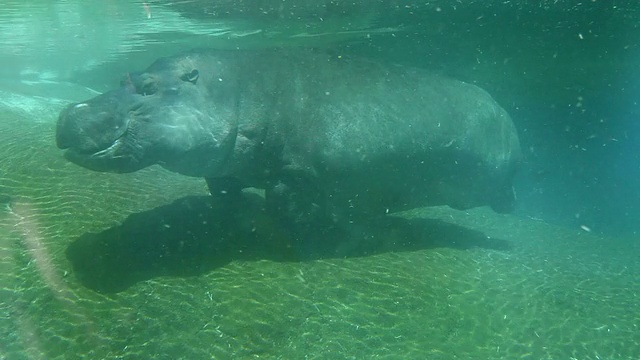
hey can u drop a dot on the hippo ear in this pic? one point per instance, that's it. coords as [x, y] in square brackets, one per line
[191, 77]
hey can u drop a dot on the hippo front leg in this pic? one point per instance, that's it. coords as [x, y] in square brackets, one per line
[300, 207]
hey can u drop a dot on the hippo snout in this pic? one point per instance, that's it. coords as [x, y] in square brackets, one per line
[88, 128]
[68, 127]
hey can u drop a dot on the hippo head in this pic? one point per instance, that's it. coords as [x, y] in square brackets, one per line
[179, 113]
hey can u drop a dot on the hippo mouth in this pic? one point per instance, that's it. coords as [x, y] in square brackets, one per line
[100, 155]
[95, 154]
[108, 159]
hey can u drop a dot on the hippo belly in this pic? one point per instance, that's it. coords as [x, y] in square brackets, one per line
[328, 138]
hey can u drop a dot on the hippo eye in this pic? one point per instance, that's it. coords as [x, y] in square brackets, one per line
[191, 77]
[148, 89]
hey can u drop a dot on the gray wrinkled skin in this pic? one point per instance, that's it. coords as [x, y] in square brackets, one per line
[325, 136]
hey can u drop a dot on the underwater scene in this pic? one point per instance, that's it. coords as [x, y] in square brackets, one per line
[320, 179]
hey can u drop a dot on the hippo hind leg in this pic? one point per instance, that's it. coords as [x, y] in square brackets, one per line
[224, 188]
[504, 200]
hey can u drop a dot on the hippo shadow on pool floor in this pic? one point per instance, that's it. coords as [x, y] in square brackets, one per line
[196, 234]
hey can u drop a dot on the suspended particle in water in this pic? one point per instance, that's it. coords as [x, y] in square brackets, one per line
[147, 10]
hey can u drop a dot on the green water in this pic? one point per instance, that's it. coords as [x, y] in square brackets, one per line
[448, 285]
[147, 266]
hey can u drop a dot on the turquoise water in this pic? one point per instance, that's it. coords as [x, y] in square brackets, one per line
[147, 266]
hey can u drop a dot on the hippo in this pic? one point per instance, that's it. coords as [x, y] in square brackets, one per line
[329, 138]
